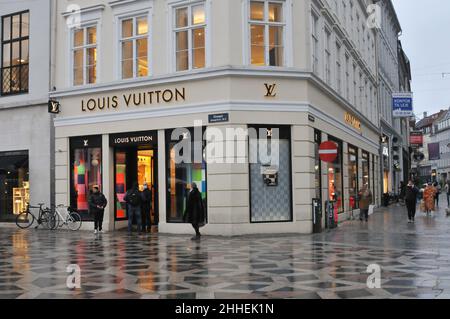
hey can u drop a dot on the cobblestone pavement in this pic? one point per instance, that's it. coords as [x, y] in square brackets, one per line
[414, 260]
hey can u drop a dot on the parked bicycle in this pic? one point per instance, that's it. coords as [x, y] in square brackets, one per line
[27, 218]
[66, 216]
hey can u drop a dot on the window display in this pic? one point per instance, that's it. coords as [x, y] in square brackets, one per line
[14, 184]
[353, 174]
[365, 169]
[270, 185]
[335, 185]
[86, 162]
[181, 174]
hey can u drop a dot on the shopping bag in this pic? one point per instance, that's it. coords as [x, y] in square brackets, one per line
[422, 206]
[371, 209]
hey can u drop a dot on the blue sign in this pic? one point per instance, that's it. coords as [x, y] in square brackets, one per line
[402, 104]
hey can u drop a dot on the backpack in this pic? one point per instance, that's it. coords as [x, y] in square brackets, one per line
[134, 198]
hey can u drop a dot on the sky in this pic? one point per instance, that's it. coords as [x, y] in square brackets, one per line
[426, 41]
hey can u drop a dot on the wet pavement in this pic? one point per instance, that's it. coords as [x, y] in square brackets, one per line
[414, 261]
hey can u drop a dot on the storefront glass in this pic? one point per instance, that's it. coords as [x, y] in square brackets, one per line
[86, 167]
[353, 175]
[335, 185]
[14, 184]
[317, 165]
[365, 169]
[270, 184]
[182, 171]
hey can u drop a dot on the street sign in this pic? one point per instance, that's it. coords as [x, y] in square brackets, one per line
[328, 151]
[416, 139]
[402, 104]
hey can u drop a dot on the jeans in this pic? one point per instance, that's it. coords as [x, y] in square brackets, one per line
[136, 213]
[98, 220]
[364, 214]
[411, 210]
[448, 199]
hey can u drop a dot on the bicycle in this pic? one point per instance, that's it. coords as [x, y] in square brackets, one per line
[26, 219]
[69, 218]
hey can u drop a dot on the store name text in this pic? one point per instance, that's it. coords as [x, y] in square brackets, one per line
[352, 121]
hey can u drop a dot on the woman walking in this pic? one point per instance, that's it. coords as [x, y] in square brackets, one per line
[195, 211]
[411, 194]
[365, 199]
[428, 196]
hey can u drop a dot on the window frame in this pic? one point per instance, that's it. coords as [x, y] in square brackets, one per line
[84, 47]
[315, 43]
[189, 28]
[149, 36]
[267, 24]
[12, 40]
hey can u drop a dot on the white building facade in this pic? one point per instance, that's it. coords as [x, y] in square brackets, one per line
[136, 78]
[25, 130]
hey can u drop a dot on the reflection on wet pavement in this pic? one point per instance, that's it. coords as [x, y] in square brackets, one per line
[414, 260]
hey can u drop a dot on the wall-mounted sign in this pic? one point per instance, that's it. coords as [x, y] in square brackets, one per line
[133, 139]
[311, 118]
[416, 139]
[353, 121]
[385, 151]
[86, 141]
[328, 151]
[270, 90]
[402, 104]
[218, 118]
[133, 100]
[54, 107]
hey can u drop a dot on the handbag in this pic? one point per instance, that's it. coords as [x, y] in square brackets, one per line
[371, 209]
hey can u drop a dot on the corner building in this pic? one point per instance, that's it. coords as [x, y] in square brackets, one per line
[129, 73]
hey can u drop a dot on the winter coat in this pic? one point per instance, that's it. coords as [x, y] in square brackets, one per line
[97, 199]
[365, 199]
[195, 210]
[428, 195]
[411, 194]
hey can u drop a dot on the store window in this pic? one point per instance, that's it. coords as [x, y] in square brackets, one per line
[190, 37]
[134, 44]
[84, 55]
[14, 184]
[353, 174]
[86, 171]
[267, 27]
[185, 165]
[270, 183]
[15, 53]
[365, 162]
[335, 177]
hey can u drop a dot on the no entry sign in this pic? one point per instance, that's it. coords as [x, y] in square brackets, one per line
[328, 151]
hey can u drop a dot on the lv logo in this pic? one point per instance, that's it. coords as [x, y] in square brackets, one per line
[53, 107]
[270, 89]
[86, 143]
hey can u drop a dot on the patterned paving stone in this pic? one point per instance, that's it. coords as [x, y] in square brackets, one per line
[414, 261]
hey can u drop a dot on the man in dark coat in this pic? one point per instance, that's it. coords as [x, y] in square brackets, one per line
[146, 209]
[411, 194]
[195, 211]
[133, 198]
[97, 203]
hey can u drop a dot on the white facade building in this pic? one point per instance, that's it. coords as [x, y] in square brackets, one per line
[25, 130]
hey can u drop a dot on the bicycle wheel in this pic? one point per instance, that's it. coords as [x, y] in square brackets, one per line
[74, 221]
[25, 220]
[50, 219]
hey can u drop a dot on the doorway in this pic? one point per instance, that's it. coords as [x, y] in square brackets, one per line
[137, 164]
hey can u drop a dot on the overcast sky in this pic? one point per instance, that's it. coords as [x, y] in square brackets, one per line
[426, 41]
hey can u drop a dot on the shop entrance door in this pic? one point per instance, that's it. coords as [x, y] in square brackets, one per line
[135, 165]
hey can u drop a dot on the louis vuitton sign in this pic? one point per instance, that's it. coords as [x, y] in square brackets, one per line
[130, 100]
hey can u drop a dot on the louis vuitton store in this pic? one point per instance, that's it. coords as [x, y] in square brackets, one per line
[172, 135]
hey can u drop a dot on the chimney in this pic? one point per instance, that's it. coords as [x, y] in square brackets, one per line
[425, 114]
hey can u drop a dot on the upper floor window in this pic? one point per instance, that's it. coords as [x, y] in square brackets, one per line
[134, 47]
[267, 28]
[15, 53]
[190, 43]
[84, 55]
[315, 42]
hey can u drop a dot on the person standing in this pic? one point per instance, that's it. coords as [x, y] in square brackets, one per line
[365, 199]
[133, 198]
[411, 194]
[437, 187]
[447, 191]
[146, 209]
[195, 210]
[97, 203]
[429, 197]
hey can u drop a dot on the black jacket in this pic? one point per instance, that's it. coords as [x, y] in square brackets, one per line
[195, 210]
[411, 194]
[97, 199]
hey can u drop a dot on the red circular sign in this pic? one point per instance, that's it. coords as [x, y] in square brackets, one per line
[328, 151]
